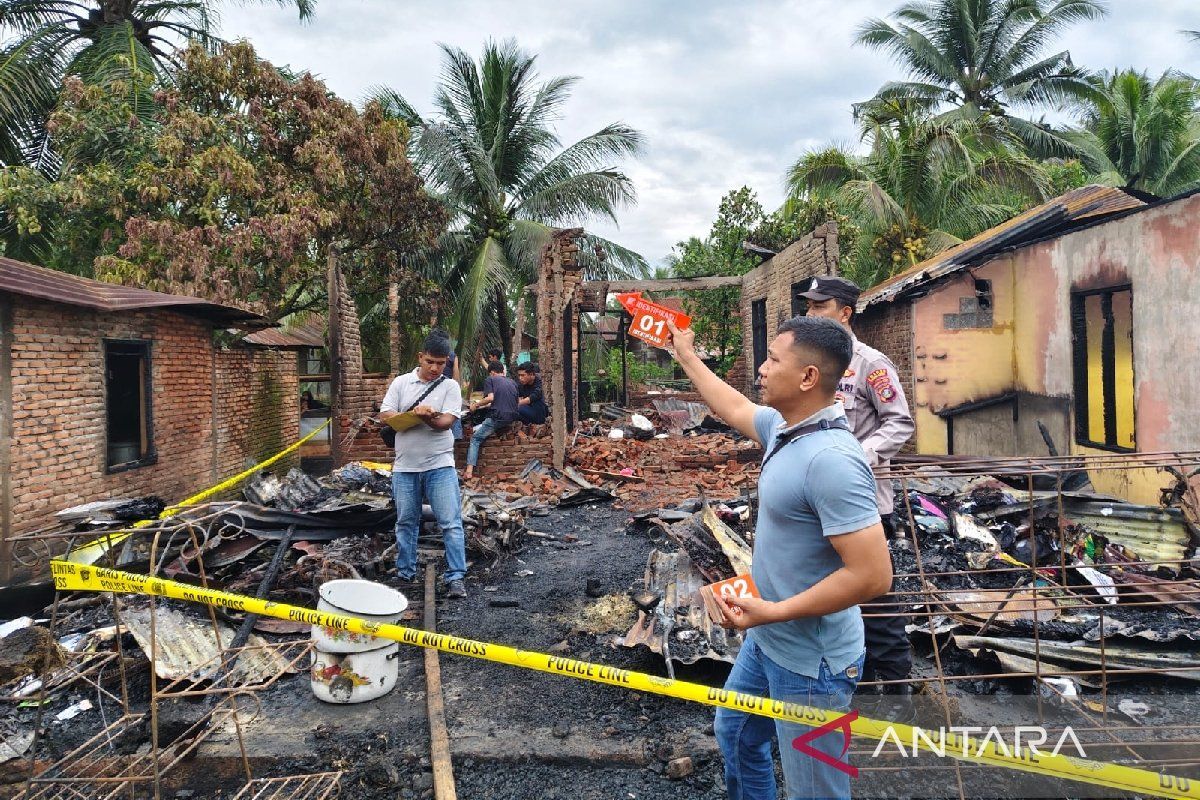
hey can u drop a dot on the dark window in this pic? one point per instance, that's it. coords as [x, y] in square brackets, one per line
[314, 361]
[758, 329]
[799, 304]
[1102, 343]
[127, 391]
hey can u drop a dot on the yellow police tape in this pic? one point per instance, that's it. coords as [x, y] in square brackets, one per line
[90, 552]
[75, 577]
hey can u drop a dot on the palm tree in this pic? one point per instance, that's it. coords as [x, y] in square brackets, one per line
[985, 56]
[1143, 134]
[491, 156]
[925, 183]
[46, 40]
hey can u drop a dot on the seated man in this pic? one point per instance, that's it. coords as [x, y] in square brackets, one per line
[500, 395]
[531, 402]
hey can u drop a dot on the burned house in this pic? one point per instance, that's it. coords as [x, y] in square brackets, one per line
[109, 391]
[1072, 323]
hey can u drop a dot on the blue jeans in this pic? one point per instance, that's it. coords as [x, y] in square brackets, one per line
[745, 739]
[487, 428]
[440, 487]
[456, 429]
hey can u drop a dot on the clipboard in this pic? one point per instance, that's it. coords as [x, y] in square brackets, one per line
[403, 421]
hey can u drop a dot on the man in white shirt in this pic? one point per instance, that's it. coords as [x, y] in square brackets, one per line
[424, 465]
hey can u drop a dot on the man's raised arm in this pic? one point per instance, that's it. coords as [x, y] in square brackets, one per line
[725, 401]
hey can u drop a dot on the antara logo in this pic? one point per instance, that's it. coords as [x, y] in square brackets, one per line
[842, 724]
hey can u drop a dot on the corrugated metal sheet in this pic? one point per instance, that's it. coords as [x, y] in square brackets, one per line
[303, 336]
[20, 278]
[187, 648]
[1059, 214]
[679, 628]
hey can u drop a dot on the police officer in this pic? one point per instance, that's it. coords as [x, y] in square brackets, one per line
[879, 418]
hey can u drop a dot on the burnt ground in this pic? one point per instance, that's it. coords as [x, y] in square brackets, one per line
[517, 733]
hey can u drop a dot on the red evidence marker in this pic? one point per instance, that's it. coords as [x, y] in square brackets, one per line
[650, 319]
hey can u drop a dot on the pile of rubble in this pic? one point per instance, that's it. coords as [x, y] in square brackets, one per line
[1046, 582]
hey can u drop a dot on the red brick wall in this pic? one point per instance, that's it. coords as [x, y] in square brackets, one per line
[364, 443]
[58, 408]
[888, 327]
[257, 408]
[508, 454]
[814, 254]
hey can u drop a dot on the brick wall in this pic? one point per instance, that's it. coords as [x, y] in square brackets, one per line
[813, 254]
[888, 328]
[58, 409]
[508, 453]
[257, 408]
[59, 416]
[366, 444]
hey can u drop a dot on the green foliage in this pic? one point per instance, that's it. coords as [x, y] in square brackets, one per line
[984, 56]
[715, 312]
[492, 157]
[103, 42]
[799, 216]
[639, 371]
[1141, 133]
[235, 190]
[925, 184]
[1064, 175]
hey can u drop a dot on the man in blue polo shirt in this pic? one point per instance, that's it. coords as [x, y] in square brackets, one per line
[819, 550]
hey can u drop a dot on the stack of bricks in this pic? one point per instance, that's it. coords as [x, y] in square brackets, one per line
[739, 374]
[774, 281]
[54, 398]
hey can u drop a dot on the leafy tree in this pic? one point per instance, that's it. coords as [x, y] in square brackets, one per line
[491, 156]
[985, 56]
[236, 189]
[1143, 134]
[715, 312]
[44, 41]
[924, 185]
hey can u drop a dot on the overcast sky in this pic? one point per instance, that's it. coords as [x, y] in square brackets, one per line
[727, 94]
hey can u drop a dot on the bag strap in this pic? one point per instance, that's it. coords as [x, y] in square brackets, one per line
[803, 430]
[425, 393]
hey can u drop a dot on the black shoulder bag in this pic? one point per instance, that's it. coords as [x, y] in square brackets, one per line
[387, 433]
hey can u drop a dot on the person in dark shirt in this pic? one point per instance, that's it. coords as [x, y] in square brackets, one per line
[531, 403]
[500, 395]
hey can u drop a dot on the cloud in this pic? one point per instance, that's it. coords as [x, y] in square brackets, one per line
[726, 94]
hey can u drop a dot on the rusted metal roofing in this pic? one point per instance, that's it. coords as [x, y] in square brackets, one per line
[307, 335]
[1059, 215]
[17, 277]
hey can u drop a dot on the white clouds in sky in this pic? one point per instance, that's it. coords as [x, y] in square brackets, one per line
[727, 94]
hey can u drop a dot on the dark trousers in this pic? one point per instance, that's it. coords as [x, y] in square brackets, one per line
[529, 416]
[889, 655]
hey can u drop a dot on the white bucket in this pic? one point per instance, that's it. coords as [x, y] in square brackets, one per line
[354, 677]
[369, 601]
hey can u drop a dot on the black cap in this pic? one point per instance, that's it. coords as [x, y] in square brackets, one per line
[825, 287]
